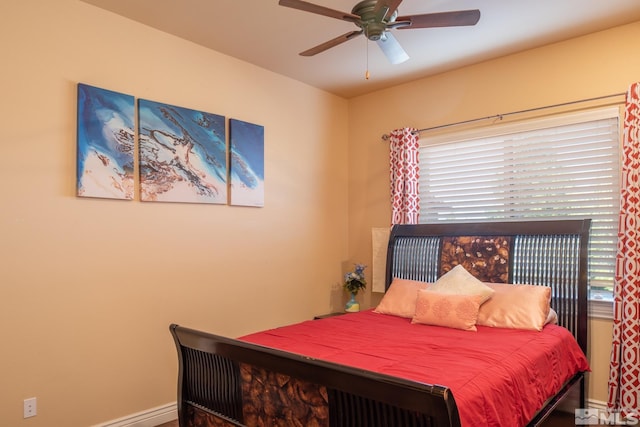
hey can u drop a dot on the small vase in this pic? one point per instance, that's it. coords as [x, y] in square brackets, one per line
[352, 305]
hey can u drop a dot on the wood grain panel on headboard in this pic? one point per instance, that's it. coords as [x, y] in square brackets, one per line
[486, 257]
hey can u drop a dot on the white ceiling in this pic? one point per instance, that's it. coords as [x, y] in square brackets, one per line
[270, 36]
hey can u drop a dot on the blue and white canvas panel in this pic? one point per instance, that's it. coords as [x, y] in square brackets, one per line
[183, 154]
[106, 141]
[247, 163]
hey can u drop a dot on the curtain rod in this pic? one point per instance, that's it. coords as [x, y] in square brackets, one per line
[501, 116]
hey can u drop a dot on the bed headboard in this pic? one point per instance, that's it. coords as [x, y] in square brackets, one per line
[551, 253]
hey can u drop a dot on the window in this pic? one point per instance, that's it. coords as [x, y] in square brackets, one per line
[565, 167]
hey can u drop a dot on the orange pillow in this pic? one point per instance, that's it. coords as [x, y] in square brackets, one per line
[449, 310]
[400, 298]
[516, 307]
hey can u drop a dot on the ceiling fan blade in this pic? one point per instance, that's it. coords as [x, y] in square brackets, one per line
[385, 8]
[320, 10]
[392, 49]
[331, 43]
[443, 19]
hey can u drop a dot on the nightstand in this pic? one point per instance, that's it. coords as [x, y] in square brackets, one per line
[324, 316]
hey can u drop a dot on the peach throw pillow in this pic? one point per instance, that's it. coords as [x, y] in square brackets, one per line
[449, 310]
[516, 307]
[400, 298]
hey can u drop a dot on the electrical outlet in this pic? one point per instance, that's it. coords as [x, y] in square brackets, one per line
[30, 407]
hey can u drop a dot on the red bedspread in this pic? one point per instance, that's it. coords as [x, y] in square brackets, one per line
[499, 377]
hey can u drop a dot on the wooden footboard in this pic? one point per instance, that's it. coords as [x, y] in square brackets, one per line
[226, 382]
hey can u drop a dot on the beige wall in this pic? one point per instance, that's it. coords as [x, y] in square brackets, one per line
[599, 64]
[89, 286]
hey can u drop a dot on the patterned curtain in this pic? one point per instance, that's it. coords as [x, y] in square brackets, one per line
[404, 174]
[624, 372]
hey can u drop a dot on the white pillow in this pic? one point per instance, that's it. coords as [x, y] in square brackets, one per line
[459, 281]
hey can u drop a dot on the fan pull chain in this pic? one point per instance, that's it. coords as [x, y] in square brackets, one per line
[366, 75]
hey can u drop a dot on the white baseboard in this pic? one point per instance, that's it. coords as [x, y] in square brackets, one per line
[597, 404]
[149, 418]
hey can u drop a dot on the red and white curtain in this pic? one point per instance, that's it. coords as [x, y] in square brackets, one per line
[404, 174]
[624, 372]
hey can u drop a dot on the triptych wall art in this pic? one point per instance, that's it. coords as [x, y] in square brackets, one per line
[106, 140]
[182, 153]
[247, 163]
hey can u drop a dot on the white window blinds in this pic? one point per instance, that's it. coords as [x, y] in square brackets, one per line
[563, 167]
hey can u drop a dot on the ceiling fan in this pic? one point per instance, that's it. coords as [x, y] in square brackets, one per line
[376, 17]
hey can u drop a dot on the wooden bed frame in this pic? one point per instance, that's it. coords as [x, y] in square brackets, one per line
[225, 382]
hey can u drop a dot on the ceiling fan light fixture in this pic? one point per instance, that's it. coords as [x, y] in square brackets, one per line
[392, 50]
[376, 18]
[374, 31]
